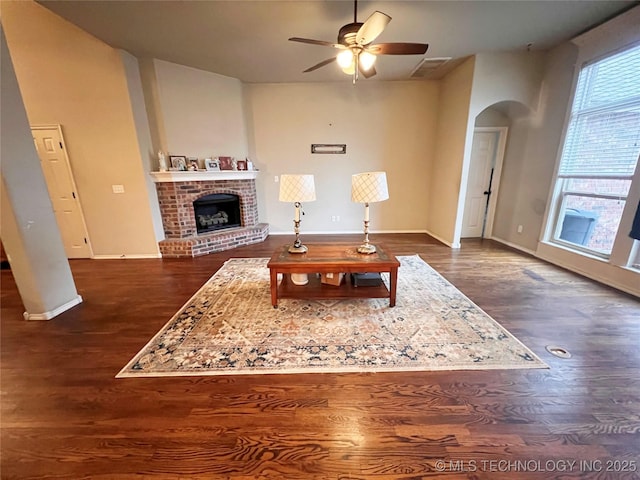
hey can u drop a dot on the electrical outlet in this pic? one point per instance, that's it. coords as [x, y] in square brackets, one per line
[519, 229]
[117, 188]
[276, 179]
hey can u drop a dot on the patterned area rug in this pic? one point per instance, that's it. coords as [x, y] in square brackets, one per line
[230, 327]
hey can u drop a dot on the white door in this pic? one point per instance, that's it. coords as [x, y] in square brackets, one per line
[62, 190]
[482, 185]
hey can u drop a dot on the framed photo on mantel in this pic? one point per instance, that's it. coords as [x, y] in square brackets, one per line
[211, 165]
[226, 163]
[178, 162]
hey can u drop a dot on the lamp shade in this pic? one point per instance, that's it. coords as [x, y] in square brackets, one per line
[297, 188]
[369, 187]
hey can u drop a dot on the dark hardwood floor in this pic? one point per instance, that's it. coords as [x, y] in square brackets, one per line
[64, 415]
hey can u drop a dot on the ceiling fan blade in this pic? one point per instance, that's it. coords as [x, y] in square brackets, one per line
[368, 73]
[398, 48]
[317, 42]
[373, 27]
[321, 64]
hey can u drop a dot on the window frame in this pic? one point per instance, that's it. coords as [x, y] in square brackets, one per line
[560, 191]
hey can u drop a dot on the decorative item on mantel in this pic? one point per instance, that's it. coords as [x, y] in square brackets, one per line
[212, 164]
[366, 188]
[193, 164]
[297, 189]
[226, 163]
[162, 161]
[178, 163]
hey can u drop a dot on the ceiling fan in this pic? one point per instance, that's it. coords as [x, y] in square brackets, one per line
[358, 53]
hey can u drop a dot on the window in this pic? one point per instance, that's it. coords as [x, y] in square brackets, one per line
[600, 154]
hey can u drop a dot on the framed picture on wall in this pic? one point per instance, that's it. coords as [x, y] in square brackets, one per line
[179, 162]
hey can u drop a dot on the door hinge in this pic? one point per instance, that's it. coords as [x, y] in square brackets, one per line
[85, 241]
[74, 194]
[60, 144]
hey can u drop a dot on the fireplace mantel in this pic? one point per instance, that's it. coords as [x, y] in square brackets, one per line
[173, 177]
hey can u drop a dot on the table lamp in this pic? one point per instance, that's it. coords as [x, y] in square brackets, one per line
[297, 189]
[366, 188]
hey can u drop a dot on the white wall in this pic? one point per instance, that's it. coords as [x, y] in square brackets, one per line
[480, 82]
[202, 112]
[491, 117]
[445, 174]
[386, 126]
[29, 230]
[69, 77]
[507, 80]
[500, 77]
[531, 151]
[148, 153]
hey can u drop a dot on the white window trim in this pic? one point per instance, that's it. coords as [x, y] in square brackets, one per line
[616, 35]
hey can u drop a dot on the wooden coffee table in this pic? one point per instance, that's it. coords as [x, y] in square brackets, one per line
[331, 258]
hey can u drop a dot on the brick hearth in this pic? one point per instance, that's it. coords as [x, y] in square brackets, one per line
[176, 207]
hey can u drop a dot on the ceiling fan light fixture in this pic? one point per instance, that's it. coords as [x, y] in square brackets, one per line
[351, 69]
[345, 59]
[367, 60]
[358, 53]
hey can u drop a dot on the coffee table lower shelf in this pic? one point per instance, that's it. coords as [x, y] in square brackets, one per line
[330, 258]
[315, 289]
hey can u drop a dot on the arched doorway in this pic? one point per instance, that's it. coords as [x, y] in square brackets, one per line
[485, 167]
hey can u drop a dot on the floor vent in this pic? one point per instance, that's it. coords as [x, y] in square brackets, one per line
[558, 351]
[427, 66]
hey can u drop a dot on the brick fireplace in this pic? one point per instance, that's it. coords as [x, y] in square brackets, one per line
[176, 193]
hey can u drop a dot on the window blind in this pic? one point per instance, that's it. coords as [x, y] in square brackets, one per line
[603, 138]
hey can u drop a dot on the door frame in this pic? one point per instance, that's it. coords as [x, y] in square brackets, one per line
[501, 145]
[72, 179]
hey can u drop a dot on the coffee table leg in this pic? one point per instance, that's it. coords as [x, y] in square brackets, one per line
[393, 277]
[274, 287]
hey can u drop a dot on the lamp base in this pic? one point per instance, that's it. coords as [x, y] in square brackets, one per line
[298, 249]
[367, 248]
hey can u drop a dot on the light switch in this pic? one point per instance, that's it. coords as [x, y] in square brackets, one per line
[117, 188]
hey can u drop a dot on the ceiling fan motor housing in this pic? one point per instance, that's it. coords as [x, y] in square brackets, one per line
[347, 34]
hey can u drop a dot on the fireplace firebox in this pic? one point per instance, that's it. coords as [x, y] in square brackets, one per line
[217, 211]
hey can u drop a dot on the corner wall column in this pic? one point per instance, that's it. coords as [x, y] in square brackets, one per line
[29, 229]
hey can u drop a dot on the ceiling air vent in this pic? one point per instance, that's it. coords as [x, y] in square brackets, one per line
[427, 66]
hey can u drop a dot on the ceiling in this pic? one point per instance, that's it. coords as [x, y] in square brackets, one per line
[248, 39]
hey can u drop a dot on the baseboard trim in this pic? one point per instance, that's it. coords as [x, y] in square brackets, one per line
[347, 232]
[53, 313]
[562, 263]
[515, 246]
[442, 240]
[138, 256]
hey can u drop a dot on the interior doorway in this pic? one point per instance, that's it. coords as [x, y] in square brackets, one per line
[62, 190]
[487, 153]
